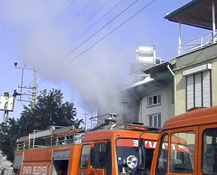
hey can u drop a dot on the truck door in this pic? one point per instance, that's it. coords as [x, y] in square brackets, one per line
[95, 159]
[60, 162]
[84, 165]
[100, 158]
[18, 159]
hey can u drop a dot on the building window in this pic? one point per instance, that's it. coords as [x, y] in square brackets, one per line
[154, 100]
[198, 90]
[155, 120]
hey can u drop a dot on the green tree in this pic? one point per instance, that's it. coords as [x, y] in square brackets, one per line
[9, 133]
[49, 110]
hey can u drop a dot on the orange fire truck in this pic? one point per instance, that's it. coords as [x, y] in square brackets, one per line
[191, 145]
[109, 149]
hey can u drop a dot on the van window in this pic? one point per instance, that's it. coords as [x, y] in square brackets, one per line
[85, 154]
[182, 152]
[163, 156]
[101, 156]
[209, 151]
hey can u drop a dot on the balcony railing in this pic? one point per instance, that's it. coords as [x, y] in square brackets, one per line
[197, 43]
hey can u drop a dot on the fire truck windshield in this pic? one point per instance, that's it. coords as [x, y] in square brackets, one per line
[181, 153]
[128, 153]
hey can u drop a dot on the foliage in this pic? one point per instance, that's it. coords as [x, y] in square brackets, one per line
[49, 111]
[8, 136]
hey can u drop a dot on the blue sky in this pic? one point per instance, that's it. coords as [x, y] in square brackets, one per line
[59, 39]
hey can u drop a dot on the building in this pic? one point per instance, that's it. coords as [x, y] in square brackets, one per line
[150, 97]
[186, 82]
[195, 66]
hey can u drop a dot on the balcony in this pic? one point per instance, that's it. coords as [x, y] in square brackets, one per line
[197, 43]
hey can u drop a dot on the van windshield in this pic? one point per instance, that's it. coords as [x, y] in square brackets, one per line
[127, 154]
[182, 152]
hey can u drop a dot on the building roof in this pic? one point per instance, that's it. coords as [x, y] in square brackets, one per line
[161, 71]
[196, 13]
[157, 67]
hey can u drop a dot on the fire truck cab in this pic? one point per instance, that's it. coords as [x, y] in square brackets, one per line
[187, 144]
[109, 149]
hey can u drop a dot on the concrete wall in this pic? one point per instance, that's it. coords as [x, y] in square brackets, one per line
[194, 59]
[166, 108]
[214, 82]
[180, 93]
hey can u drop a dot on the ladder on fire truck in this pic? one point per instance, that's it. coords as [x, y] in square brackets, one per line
[57, 135]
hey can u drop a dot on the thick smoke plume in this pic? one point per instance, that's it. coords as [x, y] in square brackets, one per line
[42, 35]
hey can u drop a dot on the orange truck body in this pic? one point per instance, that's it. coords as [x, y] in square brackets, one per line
[195, 135]
[39, 161]
[110, 150]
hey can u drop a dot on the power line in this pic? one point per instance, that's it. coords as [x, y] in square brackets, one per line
[65, 9]
[92, 25]
[12, 83]
[95, 13]
[9, 78]
[28, 79]
[143, 8]
[81, 10]
[6, 72]
[99, 29]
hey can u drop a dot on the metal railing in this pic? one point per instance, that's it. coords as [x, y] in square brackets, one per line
[54, 136]
[197, 43]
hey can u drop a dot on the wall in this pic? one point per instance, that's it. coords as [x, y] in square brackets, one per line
[180, 93]
[197, 58]
[214, 82]
[166, 108]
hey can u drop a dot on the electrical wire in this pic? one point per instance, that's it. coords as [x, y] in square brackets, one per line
[81, 11]
[6, 72]
[92, 25]
[9, 78]
[95, 13]
[65, 9]
[12, 83]
[99, 30]
[28, 79]
[143, 8]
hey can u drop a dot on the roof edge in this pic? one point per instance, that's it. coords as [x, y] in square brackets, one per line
[181, 9]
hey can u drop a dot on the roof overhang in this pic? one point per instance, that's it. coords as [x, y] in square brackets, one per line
[161, 72]
[141, 90]
[197, 13]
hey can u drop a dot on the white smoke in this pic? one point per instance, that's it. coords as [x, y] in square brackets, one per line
[41, 31]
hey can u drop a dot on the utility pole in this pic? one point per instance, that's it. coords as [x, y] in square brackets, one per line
[33, 88]
[85, 122]
[125, 103]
